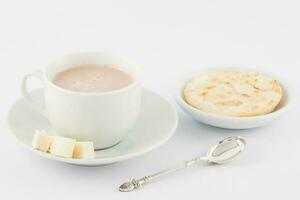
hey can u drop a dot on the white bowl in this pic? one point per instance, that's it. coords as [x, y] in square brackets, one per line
[229, 122]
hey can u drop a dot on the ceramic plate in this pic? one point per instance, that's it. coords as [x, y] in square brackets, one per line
[229, 122]
[156, 124]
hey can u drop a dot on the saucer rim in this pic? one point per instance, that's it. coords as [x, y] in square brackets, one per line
[99, 161]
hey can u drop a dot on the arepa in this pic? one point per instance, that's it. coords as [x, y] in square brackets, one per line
[233, 93]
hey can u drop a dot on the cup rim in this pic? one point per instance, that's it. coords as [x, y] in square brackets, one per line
[183, 80]
[133, 84]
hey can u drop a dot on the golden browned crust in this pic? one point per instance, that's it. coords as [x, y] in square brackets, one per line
[233, 93]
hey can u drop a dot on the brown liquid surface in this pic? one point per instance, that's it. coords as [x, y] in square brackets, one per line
[92, 78]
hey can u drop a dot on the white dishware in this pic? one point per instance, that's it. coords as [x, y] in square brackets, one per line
[229, 122]
[223, 152]
[155, 125]
[103, 118]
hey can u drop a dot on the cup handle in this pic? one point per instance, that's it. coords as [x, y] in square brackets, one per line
[24, 90]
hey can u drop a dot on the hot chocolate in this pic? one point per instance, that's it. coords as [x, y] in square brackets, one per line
[92, 78]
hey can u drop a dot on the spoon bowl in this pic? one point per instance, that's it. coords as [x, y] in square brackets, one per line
[226, 150]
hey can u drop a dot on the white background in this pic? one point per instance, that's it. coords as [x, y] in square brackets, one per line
[168, 38]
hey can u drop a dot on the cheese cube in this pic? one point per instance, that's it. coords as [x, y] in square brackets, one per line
[41, 141]
[62, 147]
[84, 150]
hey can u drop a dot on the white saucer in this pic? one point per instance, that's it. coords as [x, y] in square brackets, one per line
[156, 124]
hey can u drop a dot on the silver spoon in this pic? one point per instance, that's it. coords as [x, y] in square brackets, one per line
[224, 151]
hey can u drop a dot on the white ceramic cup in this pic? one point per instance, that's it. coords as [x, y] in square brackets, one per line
[105, 117]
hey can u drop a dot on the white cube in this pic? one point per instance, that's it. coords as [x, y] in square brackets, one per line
[62, 147]
[84, 150]
[41, 141]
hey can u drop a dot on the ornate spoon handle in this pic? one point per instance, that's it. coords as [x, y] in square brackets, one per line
[134, 184]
